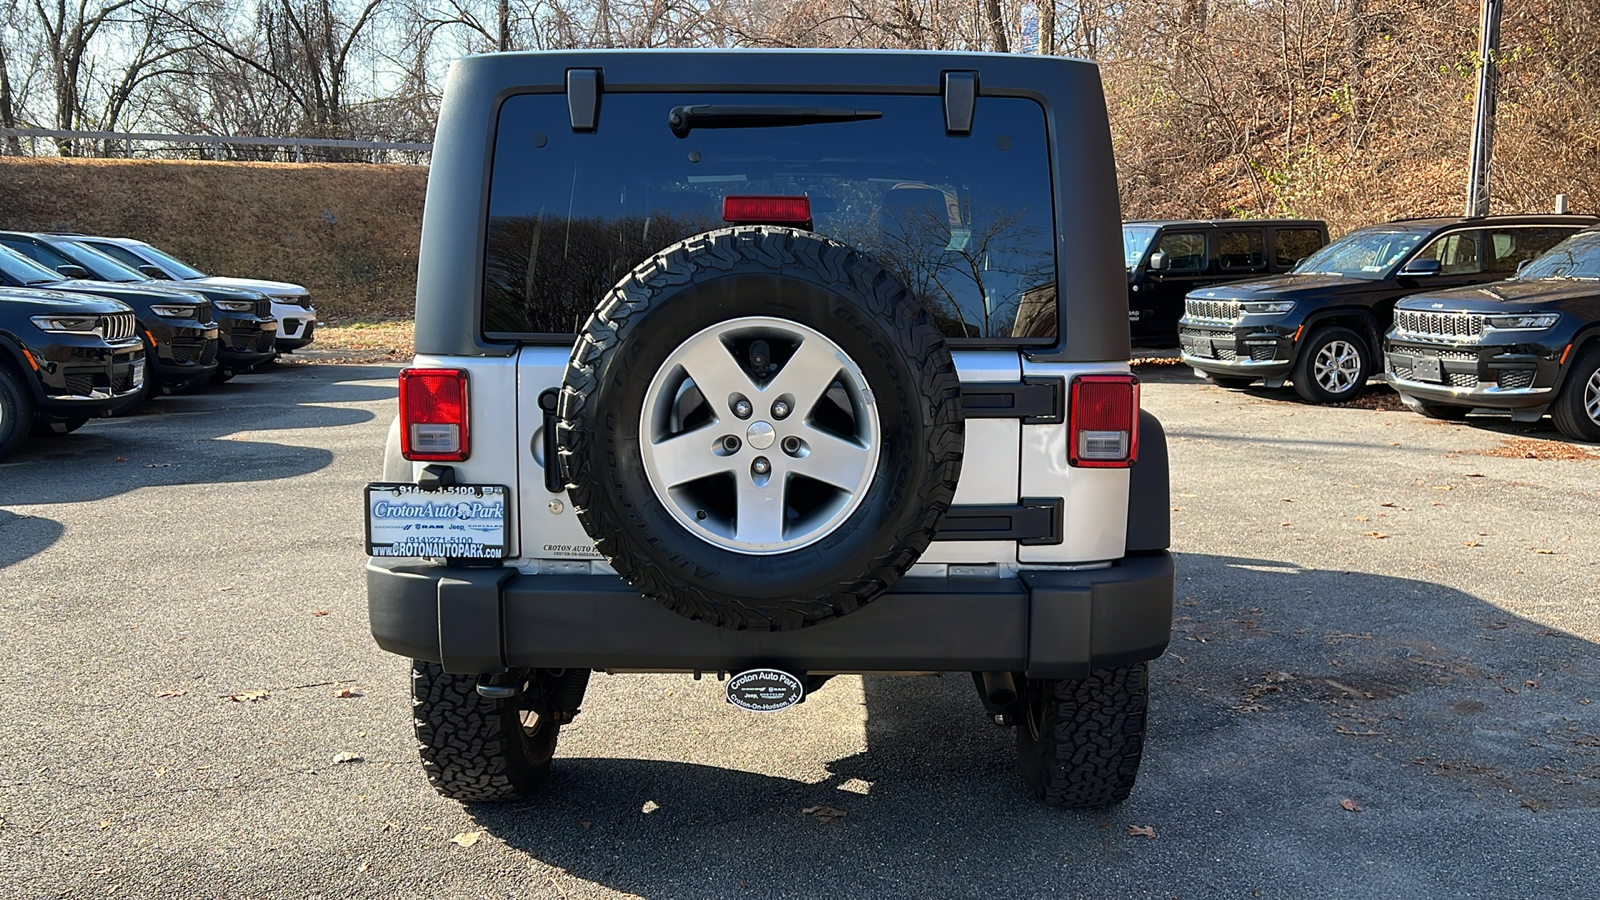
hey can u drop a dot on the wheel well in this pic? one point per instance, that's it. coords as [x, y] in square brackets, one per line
[1361, 322]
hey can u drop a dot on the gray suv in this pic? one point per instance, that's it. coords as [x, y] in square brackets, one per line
[772, 385]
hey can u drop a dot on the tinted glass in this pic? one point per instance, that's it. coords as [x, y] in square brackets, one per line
[20, 271]
[1295, 244]
[1508, 248]
[117, 252]
[1135, 240]
[177, 268]
[1241, 249]
[1186, 251]
[1457, 253]
[1576, 257]
[965, 222]
[99, 265]
[1362, 254]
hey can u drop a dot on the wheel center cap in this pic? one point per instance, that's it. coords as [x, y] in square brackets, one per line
[761, 435]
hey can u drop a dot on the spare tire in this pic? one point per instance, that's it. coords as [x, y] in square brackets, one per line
[761, 428]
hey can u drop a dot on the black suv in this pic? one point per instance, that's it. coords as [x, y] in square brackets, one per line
[180, 338]
[1528, 345]
[245, 324]
[1320, 326]
[772, 382]
[1168, 258]
[64, 359]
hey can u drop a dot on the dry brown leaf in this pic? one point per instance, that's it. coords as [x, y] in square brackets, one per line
[824, 814]
[319, 613]
[467, 838]
[1471, 544]
[347, 757]
[1361, 518]
[1279, 677]
[1377, 534]
[1350, 805]
[1144, 831]
[247, 696]
[170, 693]
[1544, 551]
[346, 693]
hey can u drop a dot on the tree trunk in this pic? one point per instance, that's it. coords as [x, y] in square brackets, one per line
[997, 26]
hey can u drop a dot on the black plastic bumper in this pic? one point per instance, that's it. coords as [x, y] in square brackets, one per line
[1484, 374]
[1044, 623]
[1254, 352]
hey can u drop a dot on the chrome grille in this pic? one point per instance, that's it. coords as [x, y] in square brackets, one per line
[117, 326]
[1439, 326]
[1214, 310]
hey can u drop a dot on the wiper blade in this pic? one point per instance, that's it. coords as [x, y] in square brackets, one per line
[684, 119]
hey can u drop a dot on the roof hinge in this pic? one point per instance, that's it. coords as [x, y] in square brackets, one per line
[960, 95]
[583, 98]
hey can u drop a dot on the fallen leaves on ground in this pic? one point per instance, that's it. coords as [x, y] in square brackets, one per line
[1471, 544]
[318, 613]
[1144, 831]
[347, 757]
[1379, 535]
[165, 694]
[346, 693]
[247, 696]
[1350, 805]
[467, 838]
[1156, 361]
[824, 814]
[1535, 448]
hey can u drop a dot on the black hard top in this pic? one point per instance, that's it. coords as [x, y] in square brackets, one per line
[1094, 324]
[1228, 223]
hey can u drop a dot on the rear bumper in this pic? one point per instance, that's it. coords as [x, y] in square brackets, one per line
[1044, 623]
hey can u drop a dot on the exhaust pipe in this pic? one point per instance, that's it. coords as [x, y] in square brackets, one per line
[999, 690]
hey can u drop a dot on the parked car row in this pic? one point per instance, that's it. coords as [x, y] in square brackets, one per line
[94, 326]
[1496, 313]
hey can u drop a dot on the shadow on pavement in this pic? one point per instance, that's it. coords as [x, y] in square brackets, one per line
[1460, 736]
[23, 536]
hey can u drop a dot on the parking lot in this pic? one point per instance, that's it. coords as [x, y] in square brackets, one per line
[1380, 684]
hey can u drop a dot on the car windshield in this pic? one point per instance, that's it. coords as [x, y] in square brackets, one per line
[100, 266]
[24, 272]
[179, 269]
[1135, 241]
[1371, 253]
[1576, 257]
[965, 222]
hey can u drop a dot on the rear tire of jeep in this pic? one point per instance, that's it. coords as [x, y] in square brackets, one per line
[475, 749]
[1231, 382]
[1576, 411]
[1079, 742]
[1332, 366]
[809, 473]
[16, 411]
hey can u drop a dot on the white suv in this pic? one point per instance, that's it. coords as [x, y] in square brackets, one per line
[772, 385]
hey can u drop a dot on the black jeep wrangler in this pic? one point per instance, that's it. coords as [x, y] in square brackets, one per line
[1529, 345]
[772, 384]
[1168, 258]
[64, 359]
[1320, 327]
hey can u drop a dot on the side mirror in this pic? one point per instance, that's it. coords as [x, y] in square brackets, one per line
[1158, 261]
[1420, 268]
[73, 271]
[152, 271]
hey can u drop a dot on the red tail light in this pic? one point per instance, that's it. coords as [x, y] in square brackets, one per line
[767, 210]
[1103, 422]
[433, 414]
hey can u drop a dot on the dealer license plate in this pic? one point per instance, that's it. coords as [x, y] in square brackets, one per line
[1426, 368]
[463, 521]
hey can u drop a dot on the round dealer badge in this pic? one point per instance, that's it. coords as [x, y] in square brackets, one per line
[765, 690]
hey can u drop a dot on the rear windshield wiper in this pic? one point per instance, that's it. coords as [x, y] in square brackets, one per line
[685, 119]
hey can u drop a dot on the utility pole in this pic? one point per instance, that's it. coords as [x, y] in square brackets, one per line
[1483, 111]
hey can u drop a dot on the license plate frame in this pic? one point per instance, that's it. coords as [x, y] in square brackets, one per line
[462, 521]
[1427, 368]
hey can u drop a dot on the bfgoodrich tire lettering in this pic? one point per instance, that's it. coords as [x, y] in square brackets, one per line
[781, 274]
[474, 748]
[1080, 742]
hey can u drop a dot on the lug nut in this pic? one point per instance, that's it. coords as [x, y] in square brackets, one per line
[730, 444]
[791, 445]
[743, 409]
[780, 410]
[761, 466]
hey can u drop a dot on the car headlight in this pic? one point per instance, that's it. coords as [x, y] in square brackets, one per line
[1268, 306]
[174, 310]
[1522, 322]
[234, 306]
[68, 324]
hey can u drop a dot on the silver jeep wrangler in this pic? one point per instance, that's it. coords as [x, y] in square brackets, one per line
[773, 365]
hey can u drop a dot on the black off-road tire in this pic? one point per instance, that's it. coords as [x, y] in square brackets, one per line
[1305, 382]
[1568, 412]
[1231, 382]
[475, 749]
[1079, 742]
[16, 411]
[819, 283]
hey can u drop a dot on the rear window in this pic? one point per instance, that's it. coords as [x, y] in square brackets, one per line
[965, 221]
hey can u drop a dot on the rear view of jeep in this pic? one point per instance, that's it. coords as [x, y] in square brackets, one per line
[760, 365]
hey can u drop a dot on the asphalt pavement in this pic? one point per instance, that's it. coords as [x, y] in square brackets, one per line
[1382, 683]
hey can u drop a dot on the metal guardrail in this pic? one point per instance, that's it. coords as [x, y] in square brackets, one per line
[217, 143]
